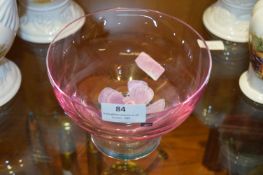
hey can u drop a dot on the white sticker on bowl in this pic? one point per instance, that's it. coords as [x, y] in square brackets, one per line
[123, 113]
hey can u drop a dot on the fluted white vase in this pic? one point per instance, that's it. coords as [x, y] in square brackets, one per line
[41, 20]
[10, 76]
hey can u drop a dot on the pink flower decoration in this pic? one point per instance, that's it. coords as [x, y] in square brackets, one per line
[138, 93]
[109, 95]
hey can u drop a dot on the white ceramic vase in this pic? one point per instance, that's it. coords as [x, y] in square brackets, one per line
[229, 19]
[41, 20]
[251, 82]
[10, 76]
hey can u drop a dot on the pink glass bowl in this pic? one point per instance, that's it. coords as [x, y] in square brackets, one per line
[102, 54]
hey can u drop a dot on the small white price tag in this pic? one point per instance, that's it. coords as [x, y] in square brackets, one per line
[212, 45]
[123, 113]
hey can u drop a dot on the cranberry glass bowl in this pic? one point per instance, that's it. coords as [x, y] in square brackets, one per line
[102, 54]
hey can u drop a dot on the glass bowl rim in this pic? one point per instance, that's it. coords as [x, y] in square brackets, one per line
[54, 84]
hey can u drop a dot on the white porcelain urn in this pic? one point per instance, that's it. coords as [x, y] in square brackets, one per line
[41, 20]
[10, 76]
[251, 81]
[229, 19]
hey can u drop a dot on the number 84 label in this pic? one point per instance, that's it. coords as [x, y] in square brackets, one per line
[123, 113]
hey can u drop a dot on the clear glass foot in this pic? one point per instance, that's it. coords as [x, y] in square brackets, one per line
[126, 150]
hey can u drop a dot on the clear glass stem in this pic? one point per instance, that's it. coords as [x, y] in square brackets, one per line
[126, 150]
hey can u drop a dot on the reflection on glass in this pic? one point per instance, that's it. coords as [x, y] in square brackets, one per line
[67, 148]
[222, 90]
[39, 156]
[241, 137]
[95, 162]
[146, 165]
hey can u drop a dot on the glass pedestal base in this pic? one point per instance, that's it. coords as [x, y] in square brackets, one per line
[126, 150]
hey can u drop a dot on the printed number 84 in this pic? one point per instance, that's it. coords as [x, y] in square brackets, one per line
[119, 109]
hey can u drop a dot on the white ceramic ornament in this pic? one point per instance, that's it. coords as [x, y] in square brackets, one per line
[258, 5]
[41, 20]
[251, 85]
[251, 82]
[229, 19]
[10, 76]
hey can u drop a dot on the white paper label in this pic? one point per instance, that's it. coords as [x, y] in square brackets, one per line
[212, 45]
[123, 113]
